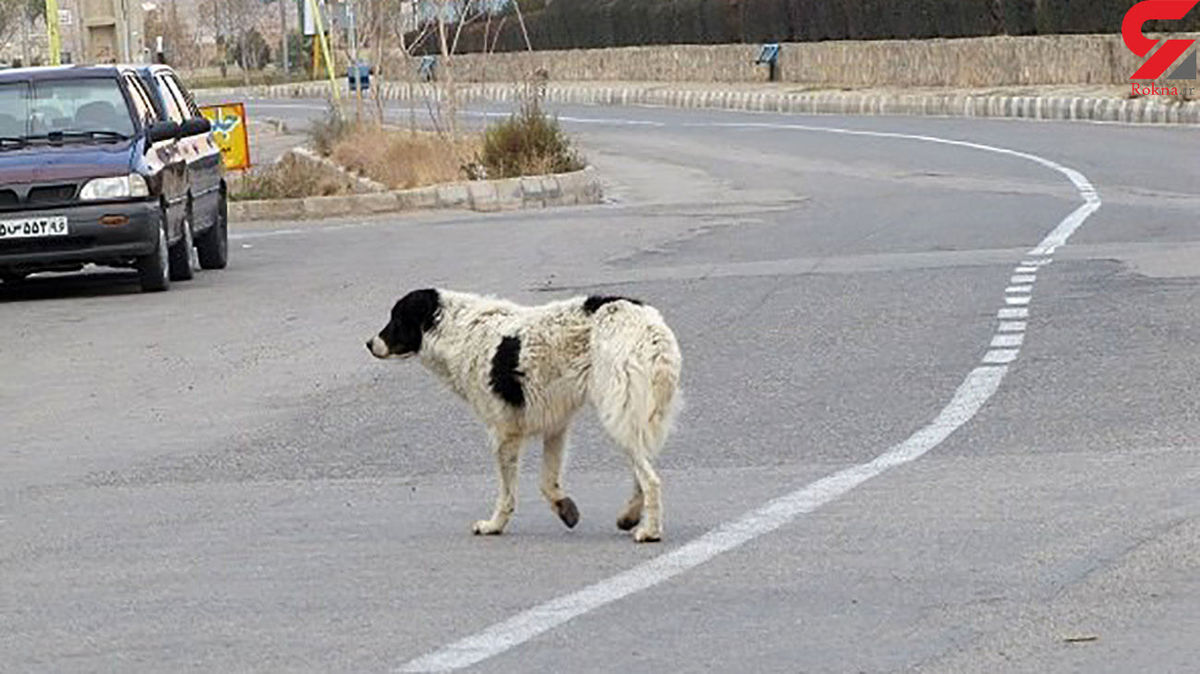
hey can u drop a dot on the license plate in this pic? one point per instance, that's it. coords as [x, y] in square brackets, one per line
[33, 228]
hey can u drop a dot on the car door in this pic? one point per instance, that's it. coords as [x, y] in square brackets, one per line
[205, 165]
[162, 158]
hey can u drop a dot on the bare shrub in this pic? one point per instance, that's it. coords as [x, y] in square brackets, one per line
[289, 178]
[405, 159]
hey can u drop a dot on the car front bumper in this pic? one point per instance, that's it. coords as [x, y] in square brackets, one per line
[111, 234]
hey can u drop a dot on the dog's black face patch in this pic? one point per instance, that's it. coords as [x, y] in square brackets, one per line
[506, 377]
[592, 304]
[415, 314]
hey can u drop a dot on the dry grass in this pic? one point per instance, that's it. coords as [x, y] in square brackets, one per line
[404, 159]
[288, 179]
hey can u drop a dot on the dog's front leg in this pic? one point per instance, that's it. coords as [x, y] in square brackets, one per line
[508, 457]
[554, 448]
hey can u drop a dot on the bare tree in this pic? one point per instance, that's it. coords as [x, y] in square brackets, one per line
[10, 18]
[236, 21]
[178, 36]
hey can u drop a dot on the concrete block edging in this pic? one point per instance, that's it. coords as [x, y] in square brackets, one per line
[1128, 111]
[579, 187]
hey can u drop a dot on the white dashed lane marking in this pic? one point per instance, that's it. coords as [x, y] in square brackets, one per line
[1008, 340]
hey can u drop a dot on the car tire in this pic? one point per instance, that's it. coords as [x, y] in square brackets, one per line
[154, 270]
[183, 261]
[213, 245]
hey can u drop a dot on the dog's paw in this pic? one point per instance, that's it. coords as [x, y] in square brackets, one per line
[627, 522]
[647, 535]
[567, 511]
[487, 528]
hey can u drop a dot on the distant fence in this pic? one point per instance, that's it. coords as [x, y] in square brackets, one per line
[589, 24]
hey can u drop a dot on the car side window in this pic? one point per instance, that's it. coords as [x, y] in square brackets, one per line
[174, 110]
[141, 102]
[185, 97]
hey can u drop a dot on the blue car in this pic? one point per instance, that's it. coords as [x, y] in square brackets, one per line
[93, 171]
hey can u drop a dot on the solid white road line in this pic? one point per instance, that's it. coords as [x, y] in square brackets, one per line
[970, 397]
[979, 386]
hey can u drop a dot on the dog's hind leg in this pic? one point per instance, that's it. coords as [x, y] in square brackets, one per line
[650, 528]
[508, 457]
[632, 513]
[554, 447]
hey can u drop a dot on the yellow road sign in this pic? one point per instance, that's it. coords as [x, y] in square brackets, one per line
[229, 130]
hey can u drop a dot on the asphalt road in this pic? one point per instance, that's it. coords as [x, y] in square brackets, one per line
[220, 478]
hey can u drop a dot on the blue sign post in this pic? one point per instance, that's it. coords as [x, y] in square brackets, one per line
[770, 56]
[359, 77]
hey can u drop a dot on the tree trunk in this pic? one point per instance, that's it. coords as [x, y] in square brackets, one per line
[244, 60]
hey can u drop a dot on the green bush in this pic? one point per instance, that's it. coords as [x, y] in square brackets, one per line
[528, 143]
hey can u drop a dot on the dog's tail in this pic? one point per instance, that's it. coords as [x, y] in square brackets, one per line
[636, 366]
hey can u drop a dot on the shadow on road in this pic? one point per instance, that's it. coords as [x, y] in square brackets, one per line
[70, 286]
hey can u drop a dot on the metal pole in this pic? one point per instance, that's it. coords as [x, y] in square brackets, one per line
[127, 47]
[356, 75]
[337, 95]
[53, 39]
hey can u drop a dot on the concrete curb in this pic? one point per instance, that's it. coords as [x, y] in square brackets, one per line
[1065, 108]
[579, 187]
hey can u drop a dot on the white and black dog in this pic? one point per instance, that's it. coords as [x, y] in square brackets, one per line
[527, 370]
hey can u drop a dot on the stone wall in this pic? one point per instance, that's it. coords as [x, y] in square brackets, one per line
[968, 62]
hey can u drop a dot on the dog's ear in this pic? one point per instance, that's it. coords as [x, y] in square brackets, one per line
[415, 314]
[420, 307]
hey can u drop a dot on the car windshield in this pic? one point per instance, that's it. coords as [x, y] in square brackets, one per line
[55, 109]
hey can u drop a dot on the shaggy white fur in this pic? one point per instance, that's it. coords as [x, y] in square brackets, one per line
[526, 371]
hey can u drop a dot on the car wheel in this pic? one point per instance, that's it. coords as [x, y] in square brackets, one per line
[213, 245]
[154, 269]
[183, 253]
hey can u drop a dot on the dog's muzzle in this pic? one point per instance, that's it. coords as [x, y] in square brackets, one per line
[378, 348]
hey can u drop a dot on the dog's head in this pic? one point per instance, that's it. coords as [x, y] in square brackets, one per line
[415, 314]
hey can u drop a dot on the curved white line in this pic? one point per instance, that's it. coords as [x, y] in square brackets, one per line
[970, 397]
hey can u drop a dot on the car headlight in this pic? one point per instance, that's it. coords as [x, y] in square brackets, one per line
[123, 187]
